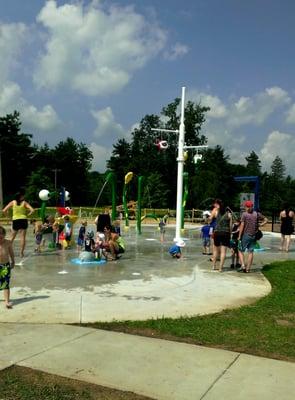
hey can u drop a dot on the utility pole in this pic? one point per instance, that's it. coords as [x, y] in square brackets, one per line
[56, 170]
[1, 184]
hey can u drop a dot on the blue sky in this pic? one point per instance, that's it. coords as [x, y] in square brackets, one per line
[92, 69]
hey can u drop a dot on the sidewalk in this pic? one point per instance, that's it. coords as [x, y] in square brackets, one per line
[156, 368]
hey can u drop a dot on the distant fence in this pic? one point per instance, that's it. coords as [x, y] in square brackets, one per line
[190, 216]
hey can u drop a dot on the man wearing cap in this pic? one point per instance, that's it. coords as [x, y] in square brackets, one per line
[250, 220]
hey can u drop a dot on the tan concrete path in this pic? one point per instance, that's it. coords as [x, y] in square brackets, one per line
[152, 367]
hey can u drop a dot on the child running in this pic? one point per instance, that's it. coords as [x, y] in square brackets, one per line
[6, 265]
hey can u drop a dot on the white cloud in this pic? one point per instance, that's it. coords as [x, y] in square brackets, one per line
[106, 133]
[291, 115]
[255, 110]
[94, 50]
[227, 124]
[217, 107]
[100, 155]
[11, 98]
[11, 38]
[282, 145]
[107, 127]
[178, 50]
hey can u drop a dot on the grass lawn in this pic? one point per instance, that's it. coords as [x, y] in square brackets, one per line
[19, 383]
[265, 328]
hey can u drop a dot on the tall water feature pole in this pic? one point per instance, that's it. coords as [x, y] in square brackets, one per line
[180, 162]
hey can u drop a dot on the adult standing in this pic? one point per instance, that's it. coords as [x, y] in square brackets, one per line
[222, 232]
[102, 220]
[287, 228]
[250, 221]
[21, 209]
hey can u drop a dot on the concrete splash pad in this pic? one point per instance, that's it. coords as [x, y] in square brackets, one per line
[145, 283]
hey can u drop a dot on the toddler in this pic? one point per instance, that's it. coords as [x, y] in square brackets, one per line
[81, 235]
[38, 236]
[235, 263]
[175, 251]
[206, 233]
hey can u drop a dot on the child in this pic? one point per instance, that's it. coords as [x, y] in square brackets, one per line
[162, 225]
[89, 244]
[47, 229]
[38, 236]
[117, 228]
[81, 235]
[68, 231]
[206, 232]
[55, 236]
[175, 251]
[235, 263]
[99, 244]
[87, 255]
[6, 265]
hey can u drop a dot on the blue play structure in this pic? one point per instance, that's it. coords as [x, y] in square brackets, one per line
[256, 181]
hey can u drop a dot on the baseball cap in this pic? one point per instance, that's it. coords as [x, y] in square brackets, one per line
[248, 203]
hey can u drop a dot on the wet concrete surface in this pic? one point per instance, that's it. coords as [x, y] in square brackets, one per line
[144, 283]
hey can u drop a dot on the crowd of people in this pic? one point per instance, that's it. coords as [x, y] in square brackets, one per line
[222, 231]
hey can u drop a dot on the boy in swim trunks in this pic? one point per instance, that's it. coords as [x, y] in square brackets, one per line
[6, 265]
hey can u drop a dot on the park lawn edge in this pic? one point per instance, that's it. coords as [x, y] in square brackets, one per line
[264, 328]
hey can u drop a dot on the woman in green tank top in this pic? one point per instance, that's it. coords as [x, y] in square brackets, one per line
[21, 209]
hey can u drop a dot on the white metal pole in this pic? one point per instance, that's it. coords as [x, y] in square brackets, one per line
[180, 162]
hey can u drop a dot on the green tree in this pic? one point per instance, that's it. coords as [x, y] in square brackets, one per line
[213, 178]
[144, 157]
[278, 169]
[253, 167]
[97, 187]
[73, 160]
[16, 154]
[37, 181]
[155, 193]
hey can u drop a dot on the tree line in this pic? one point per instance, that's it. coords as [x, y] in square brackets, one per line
[69, 163]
